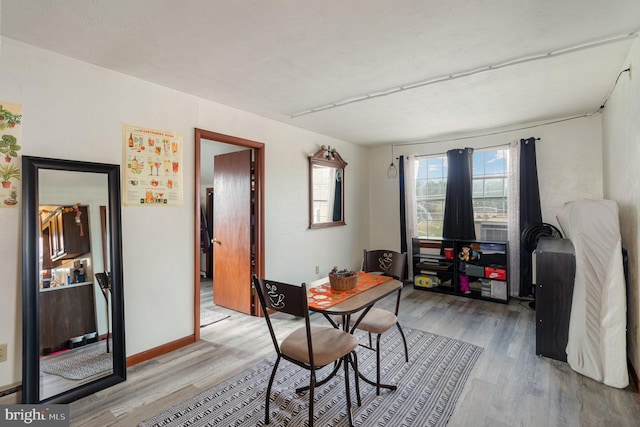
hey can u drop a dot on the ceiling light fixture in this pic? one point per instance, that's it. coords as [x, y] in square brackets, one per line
[392, 170]
[453, 76]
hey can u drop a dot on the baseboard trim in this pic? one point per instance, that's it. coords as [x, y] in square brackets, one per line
[10, 390]
[160, 350]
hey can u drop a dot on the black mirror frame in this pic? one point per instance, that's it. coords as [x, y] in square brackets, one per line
[326, 157]
[30, 269]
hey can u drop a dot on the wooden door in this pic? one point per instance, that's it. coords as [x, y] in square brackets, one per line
[47, 244]
[232, 231]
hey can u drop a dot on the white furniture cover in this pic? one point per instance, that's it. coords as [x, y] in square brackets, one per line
[597, 327]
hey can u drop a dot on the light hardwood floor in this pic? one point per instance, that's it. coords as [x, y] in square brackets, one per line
[509, 386]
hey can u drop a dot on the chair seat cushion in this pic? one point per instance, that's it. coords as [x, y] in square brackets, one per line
[377, 320]
[329, 344]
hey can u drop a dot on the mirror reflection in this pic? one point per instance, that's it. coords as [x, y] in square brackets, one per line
[326, 188]
[73, 307]
[327, 197]
[72, 323]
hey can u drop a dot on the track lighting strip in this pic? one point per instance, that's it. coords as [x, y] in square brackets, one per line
[485, 69]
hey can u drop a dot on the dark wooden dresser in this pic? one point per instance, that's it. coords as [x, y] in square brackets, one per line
[555, 272]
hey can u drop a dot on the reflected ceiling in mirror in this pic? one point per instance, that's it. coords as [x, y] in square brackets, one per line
[326, 188]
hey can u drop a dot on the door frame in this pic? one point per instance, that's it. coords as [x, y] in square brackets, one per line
[258, 156]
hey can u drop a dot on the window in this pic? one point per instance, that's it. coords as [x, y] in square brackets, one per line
[490, 188]
[431, 189]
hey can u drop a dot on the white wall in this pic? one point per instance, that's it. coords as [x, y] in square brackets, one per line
[73, 110]
[569, 167]
[621, 141]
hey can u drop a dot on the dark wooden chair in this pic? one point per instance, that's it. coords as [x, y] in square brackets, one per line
[386, 262]
[310, 346]
[378, 321]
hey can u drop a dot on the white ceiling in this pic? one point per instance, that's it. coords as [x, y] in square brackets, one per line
[280, 57]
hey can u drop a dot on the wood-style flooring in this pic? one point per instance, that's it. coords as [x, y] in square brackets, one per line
[509, 386]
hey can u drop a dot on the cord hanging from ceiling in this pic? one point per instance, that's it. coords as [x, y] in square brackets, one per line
[392, 170]
[628, 70]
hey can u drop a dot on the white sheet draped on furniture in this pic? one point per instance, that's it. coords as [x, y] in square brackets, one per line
[597, 327]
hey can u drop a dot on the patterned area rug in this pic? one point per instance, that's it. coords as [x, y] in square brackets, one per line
[208, 316]
[85, 364]
[428, 389]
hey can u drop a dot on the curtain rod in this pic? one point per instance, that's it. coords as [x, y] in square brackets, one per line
[582, 116]
[479, 148]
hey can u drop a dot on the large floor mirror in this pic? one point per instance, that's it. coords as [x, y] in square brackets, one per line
[73, 306]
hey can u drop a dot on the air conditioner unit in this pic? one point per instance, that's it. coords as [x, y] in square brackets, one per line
[494, 231]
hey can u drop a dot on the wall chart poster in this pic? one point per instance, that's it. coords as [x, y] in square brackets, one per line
[153, 173]
[10, 136]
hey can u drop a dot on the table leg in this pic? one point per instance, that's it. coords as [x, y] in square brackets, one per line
[373, 383]
[376, 383]
[346, 318]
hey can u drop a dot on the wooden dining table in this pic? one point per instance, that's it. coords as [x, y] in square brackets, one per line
[346, 303]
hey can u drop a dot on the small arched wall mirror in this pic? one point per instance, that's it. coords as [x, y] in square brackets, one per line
[72, 300]
[326, 188]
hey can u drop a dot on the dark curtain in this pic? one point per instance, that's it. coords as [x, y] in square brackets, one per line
[403, 219]
[530, 212]
[458, 205]
[337, 197]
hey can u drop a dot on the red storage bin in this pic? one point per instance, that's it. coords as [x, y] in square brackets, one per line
[499, 273]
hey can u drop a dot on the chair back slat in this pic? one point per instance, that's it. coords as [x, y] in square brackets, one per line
[283, 297]
[388, 262]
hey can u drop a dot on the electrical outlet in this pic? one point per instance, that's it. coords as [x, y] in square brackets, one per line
[3, 352]
[317, 269]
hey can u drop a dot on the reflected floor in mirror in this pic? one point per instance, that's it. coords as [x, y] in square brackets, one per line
[68, 369]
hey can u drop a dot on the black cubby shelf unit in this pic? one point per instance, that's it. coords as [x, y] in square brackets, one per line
[468, 268]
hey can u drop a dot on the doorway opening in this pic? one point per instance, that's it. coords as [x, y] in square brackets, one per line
[256, 226]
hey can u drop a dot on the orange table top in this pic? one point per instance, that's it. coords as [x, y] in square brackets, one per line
[322, 296]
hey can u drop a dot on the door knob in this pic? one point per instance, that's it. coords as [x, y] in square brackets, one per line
[214, 240]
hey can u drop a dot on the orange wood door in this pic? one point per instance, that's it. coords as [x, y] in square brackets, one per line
[232, 231]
